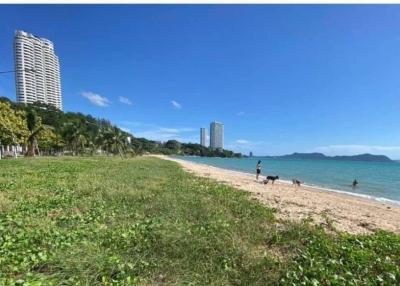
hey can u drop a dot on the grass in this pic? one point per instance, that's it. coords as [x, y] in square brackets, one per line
[144, 221]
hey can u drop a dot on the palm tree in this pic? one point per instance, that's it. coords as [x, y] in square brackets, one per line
[119, 141]
[79, 141]
[112, 140]
[74, 134]
[35, 126]
[100, 139]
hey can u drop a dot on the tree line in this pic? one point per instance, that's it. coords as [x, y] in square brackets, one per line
[42, 129]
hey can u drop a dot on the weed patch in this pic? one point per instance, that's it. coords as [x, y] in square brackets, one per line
[107, 221]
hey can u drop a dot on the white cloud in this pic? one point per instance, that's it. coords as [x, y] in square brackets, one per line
[96, 99]
[177, 130]
[168, 130]
[333, 150]
[124, 100]
[158, 133]
[240, 113]
[176, 104]
[136, 124]
[242, 141]
[245, 146]
[126, 129]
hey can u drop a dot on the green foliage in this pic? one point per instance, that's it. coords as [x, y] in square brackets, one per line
[13, 129]
[347, 260]
[35, 127]
[48, 140]
[113, 140]
[198, 150]
[107, 221]
[81, 134]
[75, 136]
[173, 145]
[113, 222]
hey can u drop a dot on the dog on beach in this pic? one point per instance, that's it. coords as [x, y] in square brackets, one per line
[296, 182]
[272, 178]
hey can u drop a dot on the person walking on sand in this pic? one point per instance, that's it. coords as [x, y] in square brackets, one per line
[258, 169]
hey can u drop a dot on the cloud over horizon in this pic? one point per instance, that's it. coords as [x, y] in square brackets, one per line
[96, 99]
[245, 146]
[160, 133]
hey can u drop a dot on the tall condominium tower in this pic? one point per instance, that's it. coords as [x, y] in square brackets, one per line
[203, 137]
[216, 135]
[37, 76]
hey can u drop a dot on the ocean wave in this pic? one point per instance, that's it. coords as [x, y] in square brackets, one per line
[369, 197]
[313, 186]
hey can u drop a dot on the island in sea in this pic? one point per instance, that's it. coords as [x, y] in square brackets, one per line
[319, 156]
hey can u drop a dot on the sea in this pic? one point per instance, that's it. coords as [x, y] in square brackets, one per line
[377, 180]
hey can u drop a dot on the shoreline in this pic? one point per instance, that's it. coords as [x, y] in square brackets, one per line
[319, 188]
[345, 211]
[395, 203]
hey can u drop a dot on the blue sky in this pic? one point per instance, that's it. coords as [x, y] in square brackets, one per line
[281, 78]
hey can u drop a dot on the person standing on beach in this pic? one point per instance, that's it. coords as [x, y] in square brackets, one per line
[258, 169]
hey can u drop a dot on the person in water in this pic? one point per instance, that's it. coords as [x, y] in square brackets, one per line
[258, 169]
[355, 183]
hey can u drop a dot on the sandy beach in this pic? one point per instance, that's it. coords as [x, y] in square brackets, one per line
[345, 212]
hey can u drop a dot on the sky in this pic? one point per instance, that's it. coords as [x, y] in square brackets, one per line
[282, 78]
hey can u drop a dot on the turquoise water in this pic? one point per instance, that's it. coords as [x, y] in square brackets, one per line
[377, 180]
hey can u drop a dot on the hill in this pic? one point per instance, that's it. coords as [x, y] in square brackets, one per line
[43, 129]
[320, 156]
[364, 157]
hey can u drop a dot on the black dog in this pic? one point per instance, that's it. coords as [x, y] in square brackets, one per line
[272, 178]
[296, 182]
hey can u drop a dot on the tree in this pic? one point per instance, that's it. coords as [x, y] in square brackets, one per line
[13, 129]
[113, 140]
[47, 127]
[75, 136]
[35, 127]
[173, 145]
[49, 140]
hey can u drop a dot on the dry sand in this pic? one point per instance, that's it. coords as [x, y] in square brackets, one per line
[345, 212]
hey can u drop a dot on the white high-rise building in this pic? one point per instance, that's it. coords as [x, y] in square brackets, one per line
[37, 70]
[203, 137]
[216, 135]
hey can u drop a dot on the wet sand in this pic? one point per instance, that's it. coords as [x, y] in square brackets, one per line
[345, 212]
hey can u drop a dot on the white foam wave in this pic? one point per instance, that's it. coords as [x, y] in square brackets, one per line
[316, 187]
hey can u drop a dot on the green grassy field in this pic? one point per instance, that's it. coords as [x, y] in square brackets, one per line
[108, 221]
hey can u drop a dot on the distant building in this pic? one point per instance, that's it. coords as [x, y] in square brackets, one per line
[251, 154]
[216, 135]
[203, 137]
[37, 70]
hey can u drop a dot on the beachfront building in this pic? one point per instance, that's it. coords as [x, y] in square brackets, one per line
[216, 135]
[203, 137]
[37, 70]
